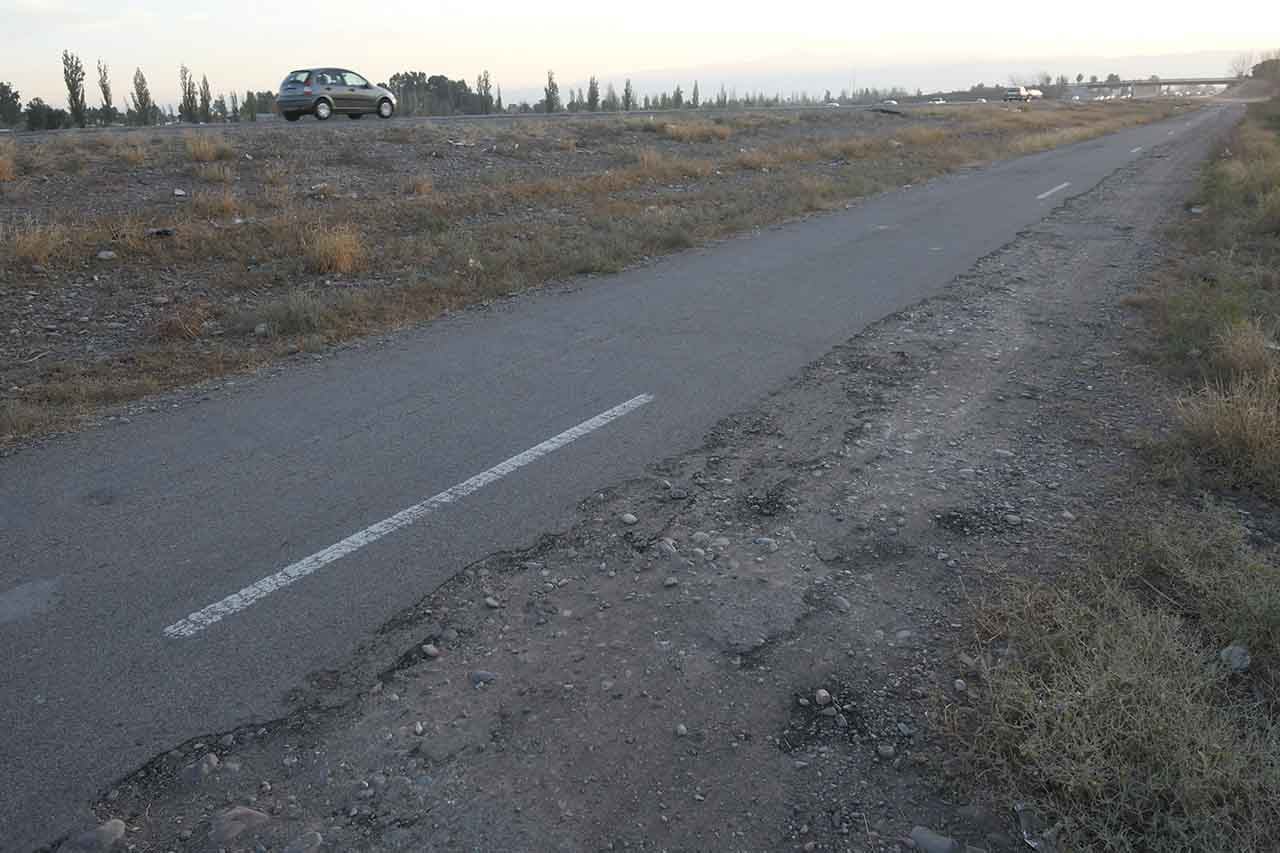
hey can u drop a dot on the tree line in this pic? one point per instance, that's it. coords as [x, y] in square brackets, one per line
[197, 104]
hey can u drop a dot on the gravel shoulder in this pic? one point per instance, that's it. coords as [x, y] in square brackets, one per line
[760, 646]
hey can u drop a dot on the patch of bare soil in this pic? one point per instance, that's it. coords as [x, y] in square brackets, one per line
[763, 645]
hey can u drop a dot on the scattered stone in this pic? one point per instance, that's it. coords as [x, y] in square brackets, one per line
[677, 494]
[1068, 515]
[1004, 454]
[720, 542]
[308, 843]
[101, 838]
[179, 193]
[161, 232]
[841, 603]
[418, 728]
[430, 651]
[681, 730]
[481, 677]
[1010, 518]
[1235, 657]
[960, 686]
[667, 548]
[492, 603]
[261, 330]
[629, 519]
[449, 635]
[886, 751]
[234, 821]
[822, 697]
[196, 772]
[928, 841]
[670, 582]
[701, 539]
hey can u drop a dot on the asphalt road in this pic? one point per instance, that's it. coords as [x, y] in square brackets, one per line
[110, 537]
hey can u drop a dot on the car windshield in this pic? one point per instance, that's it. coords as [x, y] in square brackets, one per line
[297, 77]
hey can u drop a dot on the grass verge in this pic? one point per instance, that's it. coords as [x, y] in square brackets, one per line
[1134, 704]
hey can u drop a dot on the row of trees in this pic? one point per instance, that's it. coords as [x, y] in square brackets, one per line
[436, 95]
[197, 103]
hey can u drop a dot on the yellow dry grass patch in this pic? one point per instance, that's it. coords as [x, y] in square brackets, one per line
[334, 249]
[696, 131]
[8, 161]
[37, 244]
[207, 147]
[216, 203]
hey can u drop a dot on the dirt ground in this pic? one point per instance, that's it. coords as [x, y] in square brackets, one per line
[761, 646]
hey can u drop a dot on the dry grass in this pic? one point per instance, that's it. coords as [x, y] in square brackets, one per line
[1244, 347]
[756, 160]
[216, 203]
[1111, 712]
[132, 153]
[8, 161]
[652, 164]
[696, 131]
[207, 148]
[184, 322]
[924, 136]
[215, 173]
[38, 244]
[1237, 423]
[421, 185]
[334, 249]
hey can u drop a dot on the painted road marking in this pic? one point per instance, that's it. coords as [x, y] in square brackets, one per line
[1059, 188]
[255, 592]
[1135, 150]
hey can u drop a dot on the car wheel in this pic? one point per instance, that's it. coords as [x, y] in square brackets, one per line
[292, 116]
[324, 109]
[385, 109]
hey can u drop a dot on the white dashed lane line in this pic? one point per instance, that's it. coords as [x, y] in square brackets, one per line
[255, 592]
[1059, 188]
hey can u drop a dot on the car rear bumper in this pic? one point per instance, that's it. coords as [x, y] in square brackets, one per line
[295, 103]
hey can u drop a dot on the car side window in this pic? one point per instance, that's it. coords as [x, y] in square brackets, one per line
[356, 80]
[322, 79]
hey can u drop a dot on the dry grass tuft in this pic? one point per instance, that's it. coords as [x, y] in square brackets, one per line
[1243, 347]
[1237, 423]
[215, 173]
[131, 153]
[654, 165]
[923, 136]
[216, 203]
[421, 185]
[184, 322]
[37, 244]
[8, 161]
[697, 131]
[207, 147]
[334, 249]
[756, 160]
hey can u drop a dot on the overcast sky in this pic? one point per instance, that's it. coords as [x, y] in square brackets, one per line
[242, 45]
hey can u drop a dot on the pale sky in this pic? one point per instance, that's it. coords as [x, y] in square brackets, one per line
[242, 45]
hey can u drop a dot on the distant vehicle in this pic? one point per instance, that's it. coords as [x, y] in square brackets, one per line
[980, 101]
[1034, 94]
[831, 104]
[938, 101]
[321, 92]
[1018, 93]
[889, 102]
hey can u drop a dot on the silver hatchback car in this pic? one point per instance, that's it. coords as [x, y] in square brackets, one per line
[321, 92]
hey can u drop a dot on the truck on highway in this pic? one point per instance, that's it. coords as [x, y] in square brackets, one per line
[1022, 93]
